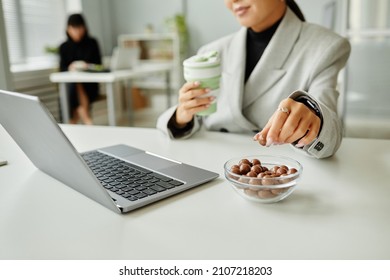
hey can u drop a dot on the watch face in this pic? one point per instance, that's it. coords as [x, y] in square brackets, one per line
[310, 104]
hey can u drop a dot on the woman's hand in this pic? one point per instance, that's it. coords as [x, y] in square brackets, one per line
[78, 65]
[290, 122]
[191, 101]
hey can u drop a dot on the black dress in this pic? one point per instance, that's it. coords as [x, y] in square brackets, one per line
[87, 50]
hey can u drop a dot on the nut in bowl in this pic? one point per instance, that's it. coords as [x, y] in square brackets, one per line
[263, 178]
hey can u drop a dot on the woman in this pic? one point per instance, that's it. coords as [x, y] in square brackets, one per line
[279, 77]
[79, 50]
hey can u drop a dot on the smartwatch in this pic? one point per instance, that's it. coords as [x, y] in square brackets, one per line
[310, 104]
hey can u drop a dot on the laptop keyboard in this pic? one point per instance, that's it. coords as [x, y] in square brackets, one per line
[125, 179]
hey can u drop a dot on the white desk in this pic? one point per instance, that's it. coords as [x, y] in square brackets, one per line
[339, 211]
[109, 78]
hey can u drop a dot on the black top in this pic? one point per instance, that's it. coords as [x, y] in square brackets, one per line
[87, 50]
[256, 42]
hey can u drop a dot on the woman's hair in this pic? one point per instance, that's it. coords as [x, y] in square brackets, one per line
[295, 8]
[76, 20]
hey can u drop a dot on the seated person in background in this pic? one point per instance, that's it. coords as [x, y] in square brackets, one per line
[75, 53]
[279, 78]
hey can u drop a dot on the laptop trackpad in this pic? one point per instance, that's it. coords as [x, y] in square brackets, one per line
[150, 161]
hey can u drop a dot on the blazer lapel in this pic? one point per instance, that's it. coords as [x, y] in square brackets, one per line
[269, 69]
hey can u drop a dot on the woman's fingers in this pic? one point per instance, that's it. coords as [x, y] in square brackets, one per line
[290, 122]
[191, 101]
[278, 120]
[188, 86]
[309, 136]
[261, 137]
[190, 91]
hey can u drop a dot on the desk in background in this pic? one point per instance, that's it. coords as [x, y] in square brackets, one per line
[340, 209]
[109, 78]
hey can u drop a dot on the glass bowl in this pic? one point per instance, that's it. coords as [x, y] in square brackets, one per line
[263, 178]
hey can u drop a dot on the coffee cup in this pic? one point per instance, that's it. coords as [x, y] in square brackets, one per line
[206, 69]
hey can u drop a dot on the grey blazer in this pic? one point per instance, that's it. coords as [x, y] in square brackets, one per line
[301, 59]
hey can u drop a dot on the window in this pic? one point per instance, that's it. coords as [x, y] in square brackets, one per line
[31, 26]
[368, 29]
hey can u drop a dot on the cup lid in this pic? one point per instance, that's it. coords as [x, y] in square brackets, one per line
[202, 60]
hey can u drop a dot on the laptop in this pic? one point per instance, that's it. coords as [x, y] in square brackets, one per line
[121, 59]
[124, 58]
[119, 177]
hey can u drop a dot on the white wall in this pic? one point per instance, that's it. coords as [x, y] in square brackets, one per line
[99, 16]
[132, 16]
[314, 11]
[109, 18]
[207, 19]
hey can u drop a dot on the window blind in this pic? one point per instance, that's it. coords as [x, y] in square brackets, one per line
[13, 30]
[33, 25]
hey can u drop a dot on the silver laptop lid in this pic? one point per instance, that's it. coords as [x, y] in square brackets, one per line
[42, 140]
[124, 58]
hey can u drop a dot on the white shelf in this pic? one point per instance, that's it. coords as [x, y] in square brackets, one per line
[157, 48]
[146, 36]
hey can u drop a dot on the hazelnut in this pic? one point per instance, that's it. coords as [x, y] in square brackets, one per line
[281, 170]
[268, 180]
[243, 180]
[279, 191]
[251, 174]
[244, 160]
[235, 169]
[256, 168]
[274, 169]
[265, 194]
[292, 171]
[250, 192]
[245, 168]
[284, 181]
[255, 181]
